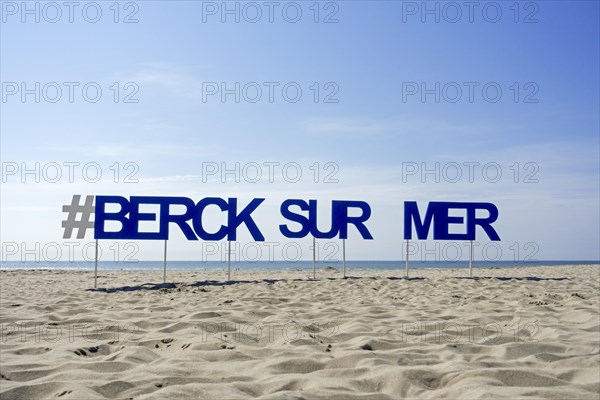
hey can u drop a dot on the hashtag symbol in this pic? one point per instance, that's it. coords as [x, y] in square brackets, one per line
[83, 224]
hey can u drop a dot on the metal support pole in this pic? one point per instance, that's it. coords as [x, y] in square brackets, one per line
[471, 260]
[407, 259]
[344, 255]
[165, 264]
[314, 260]
[96, 267]
[229, 260]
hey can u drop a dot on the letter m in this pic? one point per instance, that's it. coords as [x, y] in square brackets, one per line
[411, 214]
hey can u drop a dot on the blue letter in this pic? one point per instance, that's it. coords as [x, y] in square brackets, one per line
[197, 222]
[301, 219]
[121, 216]
[341, 218]
[233, 220]
[411, 213]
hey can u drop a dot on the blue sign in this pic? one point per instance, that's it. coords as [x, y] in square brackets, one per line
[130, 216]
[300, 218]
[190, 221]
[438, 213]
[339, 219]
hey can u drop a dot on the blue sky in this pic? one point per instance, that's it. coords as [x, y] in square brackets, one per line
[369, 56]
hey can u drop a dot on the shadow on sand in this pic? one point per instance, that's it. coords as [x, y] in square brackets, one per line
[515, 278]
[159, 286]
[145, 286]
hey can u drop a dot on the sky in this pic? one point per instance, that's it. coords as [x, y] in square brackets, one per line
[379, 101]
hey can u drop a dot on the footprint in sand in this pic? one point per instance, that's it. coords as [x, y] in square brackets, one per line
[84, 352]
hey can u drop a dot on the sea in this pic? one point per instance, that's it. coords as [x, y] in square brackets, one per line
[277, 265]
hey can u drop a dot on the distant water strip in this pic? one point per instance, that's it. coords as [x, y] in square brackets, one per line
[279, 265]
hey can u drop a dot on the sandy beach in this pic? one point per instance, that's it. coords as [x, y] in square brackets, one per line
[511, 333]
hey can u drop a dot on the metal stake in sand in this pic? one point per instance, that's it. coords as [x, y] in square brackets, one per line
[344, 255]
[165, 264]
[471, 260]
[96, 267]
[406, 259]
[314, 260]
[229, 260]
